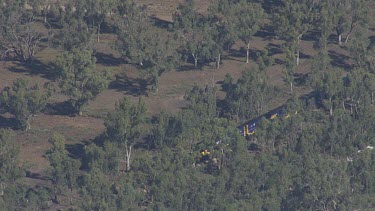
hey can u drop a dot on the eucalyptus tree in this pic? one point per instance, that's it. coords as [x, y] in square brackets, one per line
[97, 11]
[19, 33]
[10, 168]
[142, 45]
[79, 78]
[193, 32]
[65, 170]
[133, 31]
[330, 89]
[290, 67]
[75, 32]
[292, 19]
[222, 20]
[248, 19]
[359, 16]
[363, 51]
[248, 98]
[24, 101]
[41, 7]
[125, 126]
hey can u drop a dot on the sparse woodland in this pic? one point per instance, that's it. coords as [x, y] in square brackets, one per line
[319, 158]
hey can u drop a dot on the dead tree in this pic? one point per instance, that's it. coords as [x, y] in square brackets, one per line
[21, 40]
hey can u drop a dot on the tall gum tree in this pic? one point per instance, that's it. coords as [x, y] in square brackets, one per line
[10, 168]
[248, 19]
[151, 51]
[192, 30]
[222, 21]
[19, 34]
[79, 78]
[346, 16]
[124, 127]
[292, 19]
[97, 11]
[24, 101]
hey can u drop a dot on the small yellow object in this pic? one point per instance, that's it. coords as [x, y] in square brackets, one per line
[205, 152]
[273, 116]
[287, 116]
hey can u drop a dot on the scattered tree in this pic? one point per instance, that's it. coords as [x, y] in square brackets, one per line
[292, 19]
[124, 127]
[24, 101]
[19, 33]
[10, 169]
[248, 19]
[65, 170]
[79, 78]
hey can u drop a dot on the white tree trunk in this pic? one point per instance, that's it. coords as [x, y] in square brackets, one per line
[291, 87]
[2, 187]
[299, 38]
[98, 32]
[350, 31]
[218, 61]
[347, 37]
[195, 60]
[28, 126]
[247, 52]
[330, 107]
[128, 151]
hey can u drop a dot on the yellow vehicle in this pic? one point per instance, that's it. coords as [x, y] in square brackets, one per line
[205, 152]
[273, 116]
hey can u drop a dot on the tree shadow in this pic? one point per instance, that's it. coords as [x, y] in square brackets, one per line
[311, 35]
[76, 151]
[60, 108]
[339, 60]
[372, 41]
[131, 86]
[241, 53]
[108, 59]
[269, 5]
[332, 39]
[186, 67]
[274, 49]
[37, 176]
[266, 32]
[300, 79]
[160, 23]
[7, 123]
[304, 56]
[37, 67]
[279, 61]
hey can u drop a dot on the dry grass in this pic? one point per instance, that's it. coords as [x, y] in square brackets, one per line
[173, 86]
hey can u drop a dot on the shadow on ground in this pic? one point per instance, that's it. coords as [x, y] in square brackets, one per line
[134, 87]
[60, 108]
[76, 151]
[37, 176]
[160, 23]
[39, 68]
[7, 123]
[108, 59]
[339, 60]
